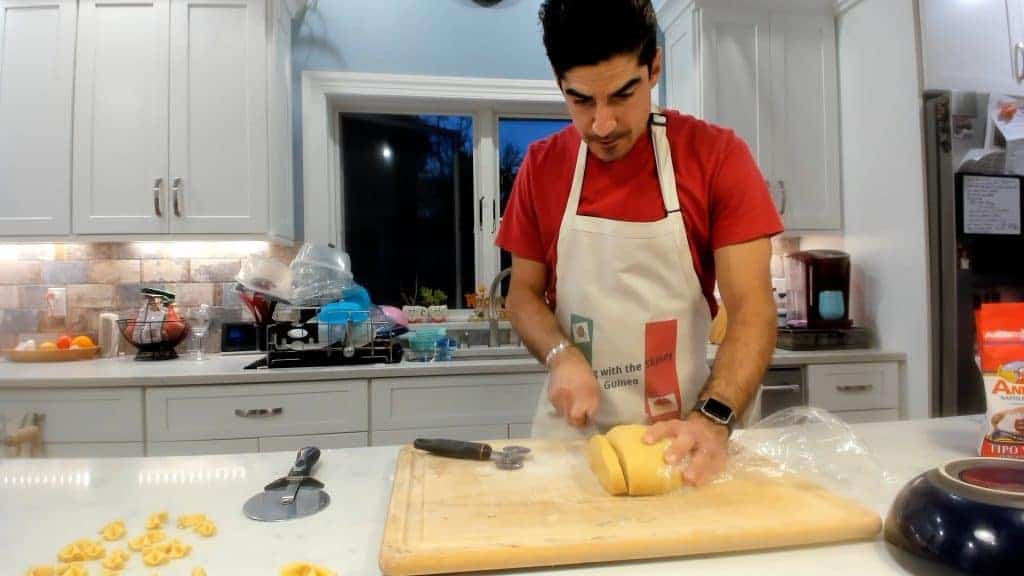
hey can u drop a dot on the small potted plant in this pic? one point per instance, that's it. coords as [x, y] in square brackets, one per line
[413, 311]
[436, 302]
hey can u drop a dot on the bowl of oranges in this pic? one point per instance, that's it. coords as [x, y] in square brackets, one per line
[65, 348]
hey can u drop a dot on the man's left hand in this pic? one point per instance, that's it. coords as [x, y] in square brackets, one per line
[696, 439]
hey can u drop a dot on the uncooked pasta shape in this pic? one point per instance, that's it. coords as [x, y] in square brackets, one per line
[305, 569]
[113, 531]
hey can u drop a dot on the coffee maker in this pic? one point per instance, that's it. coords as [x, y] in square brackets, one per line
[818, 290]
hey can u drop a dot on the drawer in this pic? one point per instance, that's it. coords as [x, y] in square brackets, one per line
[865, 416]
[846, 387]
[468, 433]
[201, 447]
[255, 411]
[72, 415]
[443, 401]
[322, 441]
[96, 450]
[519, 431]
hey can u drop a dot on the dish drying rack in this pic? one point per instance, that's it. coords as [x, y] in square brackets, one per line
[307, 342]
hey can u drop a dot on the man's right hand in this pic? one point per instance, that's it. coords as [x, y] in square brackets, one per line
[572, 388]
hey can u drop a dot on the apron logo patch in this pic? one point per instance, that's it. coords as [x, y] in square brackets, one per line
[583, 336]
[662, 398]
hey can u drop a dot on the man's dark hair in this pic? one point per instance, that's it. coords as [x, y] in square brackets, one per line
[586, 32]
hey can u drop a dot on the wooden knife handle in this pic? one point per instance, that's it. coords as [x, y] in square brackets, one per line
[454, 448]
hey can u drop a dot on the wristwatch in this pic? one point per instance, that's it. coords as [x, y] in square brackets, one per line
[716, 411]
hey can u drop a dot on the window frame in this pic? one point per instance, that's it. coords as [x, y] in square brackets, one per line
[328, 95]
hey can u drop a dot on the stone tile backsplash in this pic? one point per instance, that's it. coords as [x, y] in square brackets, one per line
[108, 276]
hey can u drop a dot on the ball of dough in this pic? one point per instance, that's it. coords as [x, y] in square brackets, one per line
[643, 465]
[604, 462]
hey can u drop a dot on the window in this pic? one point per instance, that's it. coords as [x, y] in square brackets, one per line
[422, 191]
[409, 202]
[514, 136]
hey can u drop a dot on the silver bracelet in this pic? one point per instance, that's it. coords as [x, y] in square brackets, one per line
[555, 352]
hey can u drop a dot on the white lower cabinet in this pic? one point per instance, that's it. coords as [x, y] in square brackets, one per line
[322, 441]
[95, 449]
[256, 410]
[201, 447]
[856, 392]
[479, 407]
[519, 431]
[468, 433]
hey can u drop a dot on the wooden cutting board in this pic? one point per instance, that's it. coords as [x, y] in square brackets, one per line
[451, 515]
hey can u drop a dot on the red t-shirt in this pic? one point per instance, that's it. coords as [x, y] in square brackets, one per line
[722, 194]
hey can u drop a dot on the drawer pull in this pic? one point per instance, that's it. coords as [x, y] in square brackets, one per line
[258, 412]
[855, 388]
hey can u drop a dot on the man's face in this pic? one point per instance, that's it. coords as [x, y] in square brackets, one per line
[610, 102]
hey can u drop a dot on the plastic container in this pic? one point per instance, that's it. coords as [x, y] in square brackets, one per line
[267, 276]
[319, 273]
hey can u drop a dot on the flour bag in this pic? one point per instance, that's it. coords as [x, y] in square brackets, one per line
[1000, 329]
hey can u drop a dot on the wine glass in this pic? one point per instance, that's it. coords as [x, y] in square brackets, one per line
[199, 321]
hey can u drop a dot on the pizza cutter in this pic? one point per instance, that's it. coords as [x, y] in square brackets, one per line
[508, 458]
[293, 496]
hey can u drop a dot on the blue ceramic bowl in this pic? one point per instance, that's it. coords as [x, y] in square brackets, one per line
[966, 516]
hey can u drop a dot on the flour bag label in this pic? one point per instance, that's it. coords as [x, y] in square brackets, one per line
[1000, 329]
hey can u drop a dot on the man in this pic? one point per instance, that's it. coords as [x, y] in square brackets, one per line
[619, 226]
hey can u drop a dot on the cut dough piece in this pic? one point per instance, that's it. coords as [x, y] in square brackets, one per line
[305, 569]
[198, 571]
[643, 465]
[41, 571]
[604, 462]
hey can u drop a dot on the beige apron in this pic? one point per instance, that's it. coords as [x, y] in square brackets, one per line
[629, 298]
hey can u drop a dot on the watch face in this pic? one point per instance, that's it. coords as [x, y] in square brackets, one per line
[717, 410]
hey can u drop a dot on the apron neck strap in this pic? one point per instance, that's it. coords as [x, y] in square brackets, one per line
[662, 160]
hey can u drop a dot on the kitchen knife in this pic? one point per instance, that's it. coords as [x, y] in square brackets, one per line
[508, 458]
[293, 496]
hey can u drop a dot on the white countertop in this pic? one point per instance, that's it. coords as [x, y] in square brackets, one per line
[228, 369]
[49, 503]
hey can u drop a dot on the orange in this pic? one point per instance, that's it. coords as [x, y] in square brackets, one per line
[83, 342]
[64, 342]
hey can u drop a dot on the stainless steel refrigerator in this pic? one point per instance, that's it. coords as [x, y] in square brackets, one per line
[966, 269]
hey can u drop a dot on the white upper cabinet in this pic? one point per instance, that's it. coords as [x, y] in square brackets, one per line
[977, 45]
[769, 74]
[172, 132]
[805, 117]
[121, 91]
[37, 55]
[218, 173]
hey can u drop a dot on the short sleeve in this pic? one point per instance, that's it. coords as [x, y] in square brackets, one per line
[520, 228]
[742, 208]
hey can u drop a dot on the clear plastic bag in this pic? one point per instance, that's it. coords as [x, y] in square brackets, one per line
[813, 443]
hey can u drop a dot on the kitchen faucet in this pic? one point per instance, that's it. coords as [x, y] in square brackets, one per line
[492, 312]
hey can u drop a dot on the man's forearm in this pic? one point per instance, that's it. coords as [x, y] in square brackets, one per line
[534, 322]
[744, 355]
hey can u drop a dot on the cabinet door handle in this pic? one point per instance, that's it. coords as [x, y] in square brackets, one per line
[481, 213]
[158, 185]
[854, 387]
[259, 412]
[782, 196]
[1018, 49]
[176, 189]
[494, 215]
[782, 388]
